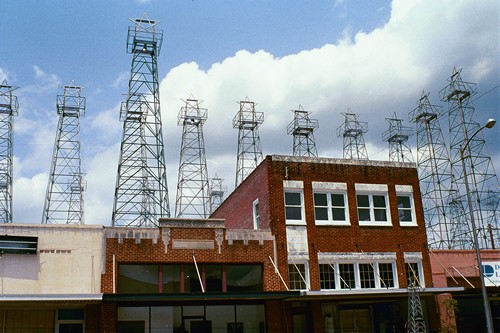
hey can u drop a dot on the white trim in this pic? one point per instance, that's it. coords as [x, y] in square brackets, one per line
[329, 186]
[413, 222]
[341, 256]
[256, 214]
[330, 221]
[302, 221]
[404, 189]
[371, 187]
[298, 184]
[412, 256]
[371, 208]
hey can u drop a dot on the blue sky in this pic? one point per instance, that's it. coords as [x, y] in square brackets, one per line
[374, 57]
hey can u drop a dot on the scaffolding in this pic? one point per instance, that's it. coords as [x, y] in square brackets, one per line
[141, 194]
[353, 130]
[247, 121]
[479, 168]
[397, 136]
[192, 186]
[302, 128]
[64, 197]
[440, 205]
[416, 321]
[8, 109]
[217, 191]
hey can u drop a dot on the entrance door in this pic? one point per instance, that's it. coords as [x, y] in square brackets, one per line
[301, 320]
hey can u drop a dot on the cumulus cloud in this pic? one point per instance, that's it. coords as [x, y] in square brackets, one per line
[374, 73]
[45, 81]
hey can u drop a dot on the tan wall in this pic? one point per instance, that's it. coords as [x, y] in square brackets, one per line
[68, 261]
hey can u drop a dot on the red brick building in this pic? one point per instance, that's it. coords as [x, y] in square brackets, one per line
[349, 233]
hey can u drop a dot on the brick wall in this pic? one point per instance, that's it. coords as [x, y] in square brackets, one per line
[269, 176]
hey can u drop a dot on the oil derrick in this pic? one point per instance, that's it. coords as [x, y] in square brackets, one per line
[247, 121]
[352, 130]
[216, 192]
[8, 109]
[141, 195]
[440, 205]
[397, 136]
[479, 168]
[192, 186]
[416, 322]
[64, 198]
[302, 128]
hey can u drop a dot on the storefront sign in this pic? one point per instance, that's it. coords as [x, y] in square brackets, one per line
[491, 273]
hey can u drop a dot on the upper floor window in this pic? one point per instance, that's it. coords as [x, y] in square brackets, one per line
[406, 210]
[294, 207]
[330, 203]
[256, 214]
[372, 204]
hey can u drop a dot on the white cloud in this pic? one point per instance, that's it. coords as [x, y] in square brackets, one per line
[29, 194]
[374, 73]
[3, 75]
[120, 80]
[45, 82]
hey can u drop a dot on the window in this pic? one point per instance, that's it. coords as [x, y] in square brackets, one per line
[331, 208]
[326, 276]
[173, 278]
[297, 276]
[413, 272]
[367, 276]
[256, 214]
[386, 274]
[373, 204]
[293, 208]
[347, 276]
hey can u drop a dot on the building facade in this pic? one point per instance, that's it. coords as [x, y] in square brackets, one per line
[350, 234]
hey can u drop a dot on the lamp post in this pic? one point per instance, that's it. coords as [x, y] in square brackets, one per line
[487, 312]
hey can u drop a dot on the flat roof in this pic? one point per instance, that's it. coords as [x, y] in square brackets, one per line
[344, 161]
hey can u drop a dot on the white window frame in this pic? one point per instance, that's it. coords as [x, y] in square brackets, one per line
[415, 258]
[302, 221]
[328, 189]
[373, 259]
[407, 191]
[256, 214]
[306, 272]
[371, 190]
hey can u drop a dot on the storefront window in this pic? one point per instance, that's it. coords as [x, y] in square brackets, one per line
[138, 279]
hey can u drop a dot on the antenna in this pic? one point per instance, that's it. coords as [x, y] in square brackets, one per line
[302, 128]
[247, 121]
[141, 194]
[64, 198]
[8, 109]
[192, 186]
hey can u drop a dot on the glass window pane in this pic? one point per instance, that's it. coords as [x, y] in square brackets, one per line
[367, 276]
[243, 277]
[220, 316]
[320, 199]
[380, 214]
[379, 201]
[405, 215]
[293, 213]
[296, 275]
[191, 280]
[338, 200]
[364, 214]
[386, 275]
[338, 214]
[213, 277]
[404, 202]
[321, 214]
[138, 279]
[292, 198]
[326, 276]
[252, 317]
[171, 279]
[347, 280]
[363, 200]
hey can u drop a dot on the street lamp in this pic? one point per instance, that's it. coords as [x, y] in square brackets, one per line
[487, 312]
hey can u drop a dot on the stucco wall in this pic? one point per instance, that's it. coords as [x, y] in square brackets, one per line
[68, 261]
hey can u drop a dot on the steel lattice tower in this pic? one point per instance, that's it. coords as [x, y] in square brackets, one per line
[482, 176]
[247, 121]
[416, 322]
[302, 128]
[192, 187]
[141, 195]
[352, 130]
[397, 136]
[443, 231]
[8, 109]
[64, 198]
[217, 190]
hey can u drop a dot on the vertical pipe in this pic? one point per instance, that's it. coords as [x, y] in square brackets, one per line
[114, 274]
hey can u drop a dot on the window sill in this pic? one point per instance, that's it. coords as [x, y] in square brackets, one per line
[374, 224]
[408, 224]
[333, 224]
[295, 222]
